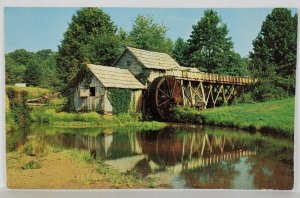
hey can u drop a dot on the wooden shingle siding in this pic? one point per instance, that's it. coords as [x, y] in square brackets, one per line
[135, 67]
[89, 103]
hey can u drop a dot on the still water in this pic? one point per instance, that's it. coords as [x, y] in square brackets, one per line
[180, 156]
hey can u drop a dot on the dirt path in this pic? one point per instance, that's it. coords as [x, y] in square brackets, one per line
[58, 171]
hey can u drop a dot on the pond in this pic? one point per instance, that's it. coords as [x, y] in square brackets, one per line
[180, 156]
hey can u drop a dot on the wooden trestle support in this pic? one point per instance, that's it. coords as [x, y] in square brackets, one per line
[204, 95]
[201, 91]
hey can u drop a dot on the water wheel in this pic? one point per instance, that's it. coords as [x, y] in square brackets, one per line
[163, 94]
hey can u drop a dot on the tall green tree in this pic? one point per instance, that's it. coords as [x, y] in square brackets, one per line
[14, 72]
[21, 56]
[50, 78]
[87, 40]
[90, 38]
[179, 52]
[148, 35]
[209, 47]
[33, 73]
[273, 60]
[15, 65]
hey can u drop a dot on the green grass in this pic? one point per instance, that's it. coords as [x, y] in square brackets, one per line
[120, 123]
[275, 117]
[10, 123]
[33, 92]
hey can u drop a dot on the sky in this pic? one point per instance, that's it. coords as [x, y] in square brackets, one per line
[34, 29]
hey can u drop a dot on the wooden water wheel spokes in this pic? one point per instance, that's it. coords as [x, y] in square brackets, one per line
[164, 93]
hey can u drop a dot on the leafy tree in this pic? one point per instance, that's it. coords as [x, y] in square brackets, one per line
[209, 47]
[90, 38]
[50, 78]
[36, 69]
[124, 37]
[15, 65]
[273, 60]
[148, 35]
[14, 72]
[103, 50]
[179, 51]
[21, 56]
[44, 54]
[89, 29]
[33, 73]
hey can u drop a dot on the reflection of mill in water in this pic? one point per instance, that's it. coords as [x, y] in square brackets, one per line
[165, 150]
[177, 152]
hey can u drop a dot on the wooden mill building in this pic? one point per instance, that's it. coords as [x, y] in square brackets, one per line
[148, 65]
[94, 96]
[136, 69]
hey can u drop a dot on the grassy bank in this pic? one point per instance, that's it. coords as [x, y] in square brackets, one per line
[37, 165]
[19, 114]
[92, 119]
[16, 109]
[32, 92]
[275, 117]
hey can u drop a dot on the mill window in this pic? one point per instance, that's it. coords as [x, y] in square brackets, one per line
[92, 91]
[128, 63]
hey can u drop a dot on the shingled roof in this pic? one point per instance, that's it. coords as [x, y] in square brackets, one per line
[153, 60]
[115, 77]
[192, 69]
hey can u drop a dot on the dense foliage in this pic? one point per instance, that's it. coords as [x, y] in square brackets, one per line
[35, 69]
[179, 52]
[120, 100]
[209, 48]
[90, 38]
[273, 60]
[19, 111]
[148, 35]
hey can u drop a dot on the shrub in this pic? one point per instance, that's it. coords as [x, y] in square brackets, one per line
[31, 165]
[17, 105]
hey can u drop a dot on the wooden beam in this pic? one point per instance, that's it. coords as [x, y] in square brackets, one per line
[203, 94]
[232, 90]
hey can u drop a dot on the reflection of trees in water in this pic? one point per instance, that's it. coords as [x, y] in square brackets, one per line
[270, 175]
[16, 138]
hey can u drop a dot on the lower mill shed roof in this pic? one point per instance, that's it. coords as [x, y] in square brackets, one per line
[115, 77]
